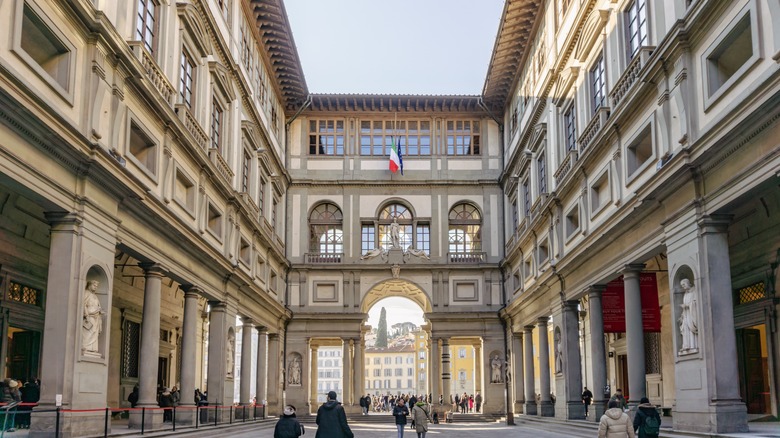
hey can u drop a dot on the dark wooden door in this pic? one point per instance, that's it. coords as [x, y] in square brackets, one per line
[752, 378]
[23, 354]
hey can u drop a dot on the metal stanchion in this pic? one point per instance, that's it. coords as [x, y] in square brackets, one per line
[216, 415]
[173, 414]
[57, 424]
[143, 419]
[105, 425]
[230, 411]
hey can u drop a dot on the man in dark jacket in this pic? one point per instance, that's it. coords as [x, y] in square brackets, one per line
[364, 406]
[647, 421]
[332, 420]
[288, 426]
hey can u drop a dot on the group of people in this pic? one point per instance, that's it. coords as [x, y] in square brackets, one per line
[166, 398]
[615, 423]
[466, 403]
[12, 391]
[386, 402]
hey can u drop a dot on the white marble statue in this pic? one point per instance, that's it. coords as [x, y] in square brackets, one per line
[558, 354]
[395, 234]
[92, 324]
[231, 348]
[689, 326]
[294, 375]
[417, 253]
[495, 364]
[371, 253]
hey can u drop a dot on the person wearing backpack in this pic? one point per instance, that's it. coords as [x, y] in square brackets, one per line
[647, 421]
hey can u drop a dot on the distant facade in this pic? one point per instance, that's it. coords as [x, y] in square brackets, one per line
[603, 214]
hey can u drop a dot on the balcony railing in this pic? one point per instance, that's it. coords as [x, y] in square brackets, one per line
[598, 121]
[566, 166]
[221, 165]
[629, 77]
[334, 257]
[192, 126]
[466, 257]
[153, 72]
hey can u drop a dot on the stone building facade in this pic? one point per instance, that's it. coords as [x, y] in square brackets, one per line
[164, 170]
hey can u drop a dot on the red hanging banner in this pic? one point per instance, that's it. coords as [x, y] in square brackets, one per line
[613, 305]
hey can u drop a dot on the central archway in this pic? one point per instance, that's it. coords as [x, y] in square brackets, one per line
[396, 287]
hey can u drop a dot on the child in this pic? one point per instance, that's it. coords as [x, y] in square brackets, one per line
[288, 426]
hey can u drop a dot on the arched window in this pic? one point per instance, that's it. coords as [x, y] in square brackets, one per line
[325, 225]
[403, 216]
[465, 234]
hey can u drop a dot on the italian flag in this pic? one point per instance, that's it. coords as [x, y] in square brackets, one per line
[396, 161]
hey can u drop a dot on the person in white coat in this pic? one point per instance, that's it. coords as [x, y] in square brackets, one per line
[615, 423]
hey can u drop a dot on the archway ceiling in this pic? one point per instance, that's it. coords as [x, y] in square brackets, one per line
[396, 288]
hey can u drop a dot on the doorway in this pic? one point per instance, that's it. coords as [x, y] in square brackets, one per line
[754, 369]
[162, 372]
[622, 376]
[24, 350]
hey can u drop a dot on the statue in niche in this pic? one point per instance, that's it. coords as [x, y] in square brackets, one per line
[92, 324]
[294, 374]
[395, 234]
[689, 327]
[495, 364]
[376, 252]
[558, 353]
[231, 348]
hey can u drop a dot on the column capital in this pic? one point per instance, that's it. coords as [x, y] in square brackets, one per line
[528, 328]
[543, 321]
[248, 322]
[62, 218]
[715, 223]
[191, 289]
[218, 306]
[595, 290]
[152, 269]
[263, 330]
[570, 306]
[632, 270]
[273, 336]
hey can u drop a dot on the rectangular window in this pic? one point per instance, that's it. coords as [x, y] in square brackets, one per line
[377, 373]
[45, 48]
[273, 214]
[142, 148]
[526, 199]
[572, 221]
[599, 193]
[216, 125]
[367, 238]
[184, 190]
[245, 171]
[640, 151]
[570, 128]
[730, 55]
[461, 353]
[424, 238]
[186, 79]
[463, 137]
[388, 372]
[326, 137]
[636, 15]
[214, 221]
[541, 167]
[24, 294]
[597, 85]
[146, 26]
[131, 337]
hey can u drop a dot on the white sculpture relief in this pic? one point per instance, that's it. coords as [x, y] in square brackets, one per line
[231, 348]
[689, 326]
[92, 324]
[495, 364]
[294, 375]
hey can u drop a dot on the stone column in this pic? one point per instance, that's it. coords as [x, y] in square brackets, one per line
[546, 408]
[262, 365]
[359, 369]
[446, 382]
[434, 376]
[478, 367]
[598, 353]
[569, 383]
[635, 335]
[273, 392]
[517, 371]
[347, 398]
[528, 359]
[246, 363]
[314, 349]
[150, 348]
[188, 355]
[217, 367]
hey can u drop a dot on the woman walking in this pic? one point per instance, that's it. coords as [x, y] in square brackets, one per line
[615, 423]
[421, 416]
[400, 411]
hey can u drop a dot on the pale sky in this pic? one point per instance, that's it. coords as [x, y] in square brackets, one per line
[398, 310]
[395, 46]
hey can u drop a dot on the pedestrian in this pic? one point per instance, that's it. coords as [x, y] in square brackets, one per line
[133, 397]
[471, 403]
[288, 425]
[618, 397]
[421, 416]
[478, 402]
[332, 420]
[400, 412]
[166, 402]
[587, 398]
[615, 423]
[647, 421]
[363, 410]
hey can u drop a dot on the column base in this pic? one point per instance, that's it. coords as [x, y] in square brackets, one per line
[571, 410]
[44, 424]
[354, 409]
[596, 410]
[721, 417]
[518, 407]
[186, 415]
[151, 418]
[245, 411]
[546, 409]
[529, 408]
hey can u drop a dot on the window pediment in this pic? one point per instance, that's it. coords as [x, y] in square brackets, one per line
[592, 30]
[192, 23]
[221, 78]
[538, 137]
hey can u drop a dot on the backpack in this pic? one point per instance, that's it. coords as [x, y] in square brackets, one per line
[651, 425]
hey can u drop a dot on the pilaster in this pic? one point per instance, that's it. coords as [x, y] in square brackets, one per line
[530, 384]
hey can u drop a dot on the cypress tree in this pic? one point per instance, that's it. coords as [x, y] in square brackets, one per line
[381, 332]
